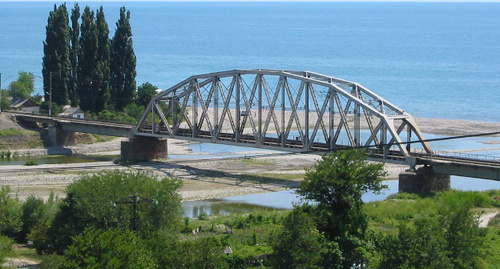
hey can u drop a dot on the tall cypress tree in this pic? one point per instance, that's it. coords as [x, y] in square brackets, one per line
[86, 61]
[55, 62]
[93, 61]
[73, 54]
[123, 62]
[102, 73]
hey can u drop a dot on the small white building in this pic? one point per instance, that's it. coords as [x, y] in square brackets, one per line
[25, 105]
[72, 112]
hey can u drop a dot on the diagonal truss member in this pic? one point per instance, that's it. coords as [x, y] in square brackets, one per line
[295, 111]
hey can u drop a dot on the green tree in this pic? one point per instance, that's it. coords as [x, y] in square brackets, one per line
[134, 111]
[203, 253]
[73, 55]
[123, 200]
[421, 246]
[144, 94]
[123, 62]
[93, 61]
[10, 213]
[5, 247]
[96, 248]
[33, 212]
[101, 78]
[39, 227]
[450, 239]
[299, 244]
[5, 101]
[87, 60]
[23, 87]
[336, 184]
[463, 236]
[56, 62]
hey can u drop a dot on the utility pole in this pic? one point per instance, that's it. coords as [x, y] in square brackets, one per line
[135, 200]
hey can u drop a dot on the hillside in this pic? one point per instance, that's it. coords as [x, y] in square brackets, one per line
[14, 136]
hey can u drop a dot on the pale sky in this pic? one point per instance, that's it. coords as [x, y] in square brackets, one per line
[427, 1]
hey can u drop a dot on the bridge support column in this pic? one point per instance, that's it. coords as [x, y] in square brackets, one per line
[144, 149]
[424, 180]
[60, 137]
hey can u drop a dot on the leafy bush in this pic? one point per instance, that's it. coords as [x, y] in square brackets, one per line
[108, 249]
[5, 247]
[10, 213]
[30, 163]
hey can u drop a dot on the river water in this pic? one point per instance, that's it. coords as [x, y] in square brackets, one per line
[482, 147]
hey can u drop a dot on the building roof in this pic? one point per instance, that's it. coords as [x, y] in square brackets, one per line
[68, 110]
[19, 102]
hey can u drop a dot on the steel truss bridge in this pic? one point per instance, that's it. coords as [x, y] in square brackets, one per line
[294, 111]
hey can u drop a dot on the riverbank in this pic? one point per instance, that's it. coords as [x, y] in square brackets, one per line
[204, 178]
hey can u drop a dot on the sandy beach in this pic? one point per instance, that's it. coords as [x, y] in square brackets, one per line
[206, 178]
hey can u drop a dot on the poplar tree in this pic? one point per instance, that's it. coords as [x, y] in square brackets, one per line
[102, 73]
[93, 61]
[123, 62]
[75, 48]
[56, 63]
[86, 60]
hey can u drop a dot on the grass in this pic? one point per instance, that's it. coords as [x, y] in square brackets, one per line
[280, 176]
[249, 236]
[19, 138]
[254, 161]
[20, 251]
[406, 207]
[12, 132]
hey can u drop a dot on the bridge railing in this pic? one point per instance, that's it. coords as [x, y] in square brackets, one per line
[467, 155]
[458, 155]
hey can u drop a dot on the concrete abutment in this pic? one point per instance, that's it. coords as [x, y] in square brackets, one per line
[138, 149]
[424, 180]
[60, 137]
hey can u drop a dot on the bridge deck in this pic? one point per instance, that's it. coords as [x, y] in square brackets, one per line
[486, 169]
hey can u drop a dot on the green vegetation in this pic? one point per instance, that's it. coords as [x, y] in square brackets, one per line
[12, 132]
[5, 247]
[336, 184]
[31, 163]
[14, 138]
[23, 87]
[117, 200]
[82, 66]
[133, 220]
[113, 248]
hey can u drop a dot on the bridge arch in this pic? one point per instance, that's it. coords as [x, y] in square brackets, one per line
[297, 111]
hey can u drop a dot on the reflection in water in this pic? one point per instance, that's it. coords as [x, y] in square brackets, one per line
[286, 199]
[221, 207]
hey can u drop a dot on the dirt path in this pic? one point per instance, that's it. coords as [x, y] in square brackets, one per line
[484, 219]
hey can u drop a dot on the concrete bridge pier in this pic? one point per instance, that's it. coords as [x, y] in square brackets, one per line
[424, 180]
[140, 148]
[60, 137]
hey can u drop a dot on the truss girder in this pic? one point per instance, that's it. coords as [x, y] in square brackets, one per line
[288, 110]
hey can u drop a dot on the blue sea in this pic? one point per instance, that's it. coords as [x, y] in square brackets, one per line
[437, 60]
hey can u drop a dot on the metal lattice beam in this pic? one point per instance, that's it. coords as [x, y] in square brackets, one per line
[287, 110]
